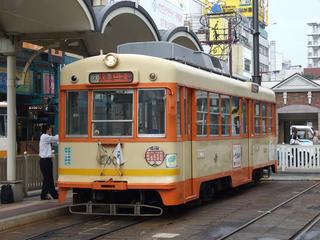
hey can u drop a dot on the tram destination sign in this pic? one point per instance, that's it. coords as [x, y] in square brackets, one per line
[110, 77]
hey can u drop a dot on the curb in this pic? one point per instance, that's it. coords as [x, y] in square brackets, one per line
[23, 219]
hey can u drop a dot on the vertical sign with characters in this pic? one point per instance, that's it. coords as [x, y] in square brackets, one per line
[67, 156]
[236, 155]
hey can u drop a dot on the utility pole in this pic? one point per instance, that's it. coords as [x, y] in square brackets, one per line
[256, 77]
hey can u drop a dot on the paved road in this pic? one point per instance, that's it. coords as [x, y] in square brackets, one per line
[209, 221]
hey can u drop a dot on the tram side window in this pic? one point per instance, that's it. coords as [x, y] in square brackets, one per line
[264, 118]
[257, 115]
[269, 118]
[112, 113]
[244, 116]
[77, 113]
[225, 115]
[187, 112]
[214, 114]
[202, 113]
[178, 112]
[151, 116]
[235, 116]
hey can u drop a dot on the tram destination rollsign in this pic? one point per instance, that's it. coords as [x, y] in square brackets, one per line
[110, 77]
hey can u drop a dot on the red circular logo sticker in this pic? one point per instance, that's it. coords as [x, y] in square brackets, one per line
[154, 156]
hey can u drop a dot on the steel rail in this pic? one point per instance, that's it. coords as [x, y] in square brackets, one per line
[40, 235]
[299, 234]
[267, 213]
[51, 234]
[116, 229]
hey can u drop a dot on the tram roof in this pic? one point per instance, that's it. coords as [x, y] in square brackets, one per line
[167, 71]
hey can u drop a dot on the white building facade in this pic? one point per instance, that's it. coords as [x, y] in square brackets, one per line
[314, 45]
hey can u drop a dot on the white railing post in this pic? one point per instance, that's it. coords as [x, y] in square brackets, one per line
[26, 173]
[284, 156]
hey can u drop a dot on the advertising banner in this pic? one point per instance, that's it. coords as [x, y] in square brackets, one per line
[245, 7]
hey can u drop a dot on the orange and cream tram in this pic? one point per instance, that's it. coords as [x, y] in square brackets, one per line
[139, 132]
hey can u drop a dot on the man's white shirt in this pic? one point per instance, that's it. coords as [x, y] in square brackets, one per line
[45, 145]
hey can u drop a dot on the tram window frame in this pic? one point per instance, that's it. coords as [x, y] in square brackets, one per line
[153, 135]
[269, 119]
[236, 113]
[204, 111]
[67, 119]
[113, 121]
[244, 117]
[179, 111]
[225, 115]
[263, 118]
[187, 98]
[212, 112]
[274, 133]
[256, 118]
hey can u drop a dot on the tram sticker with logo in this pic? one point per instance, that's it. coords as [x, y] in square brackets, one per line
[67, 156]
[154, 156]
[171, 160]
[236, 155]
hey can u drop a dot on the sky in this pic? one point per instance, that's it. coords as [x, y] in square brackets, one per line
[288, 27]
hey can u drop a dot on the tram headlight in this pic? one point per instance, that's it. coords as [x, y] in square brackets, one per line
[111, 60]
[74, 79]
[153, 76]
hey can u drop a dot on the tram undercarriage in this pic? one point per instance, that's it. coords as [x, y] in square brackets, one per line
[111, 202]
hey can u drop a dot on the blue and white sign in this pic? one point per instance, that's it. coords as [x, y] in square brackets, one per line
[171, 160]
[67, 156]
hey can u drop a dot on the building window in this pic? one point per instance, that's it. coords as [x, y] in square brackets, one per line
[77, 113]
[247, 65]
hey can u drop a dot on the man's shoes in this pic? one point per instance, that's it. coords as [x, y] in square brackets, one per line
[45, 198]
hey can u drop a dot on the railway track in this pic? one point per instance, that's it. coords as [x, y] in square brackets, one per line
[299, 235]
[255, 209]
[296, 236]
[88, 229]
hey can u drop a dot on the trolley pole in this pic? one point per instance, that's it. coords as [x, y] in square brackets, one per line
[256, 78]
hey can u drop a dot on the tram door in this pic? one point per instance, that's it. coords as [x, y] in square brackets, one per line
[187, 144]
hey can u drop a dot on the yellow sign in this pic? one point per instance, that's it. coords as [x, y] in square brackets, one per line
[243, 6]
[219, 35]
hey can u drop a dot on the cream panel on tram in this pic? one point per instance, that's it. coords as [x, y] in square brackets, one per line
[84, 159]
[213, 157]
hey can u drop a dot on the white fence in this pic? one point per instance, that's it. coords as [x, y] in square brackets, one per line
[28, 170]
[295, 157]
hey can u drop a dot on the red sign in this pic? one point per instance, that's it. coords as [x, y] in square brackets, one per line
[154, 156]
[111, 77]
